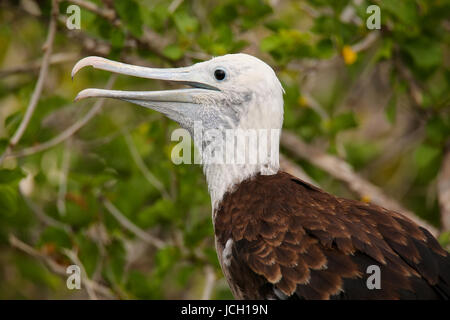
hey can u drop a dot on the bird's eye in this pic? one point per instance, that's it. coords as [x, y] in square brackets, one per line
[219, 74]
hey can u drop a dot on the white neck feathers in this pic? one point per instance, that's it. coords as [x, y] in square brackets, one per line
[222, 178]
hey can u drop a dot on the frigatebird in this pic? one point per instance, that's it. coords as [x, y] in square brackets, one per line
[278, 237]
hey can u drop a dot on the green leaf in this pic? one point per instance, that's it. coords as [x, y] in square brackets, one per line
[129, 12]
[3, 145]
[341, 122]
[252, 12]
[359, 153]
[141, 286]
[224, 13]
[173, 52]
[277, 24]
[159, 212]
[289, 44]
[404, 10]
[115, 262]
[270, 43]
[184, 274]
[116, 37]
[384, 52]
[12, 122]
[156, 16]
[185, 23]
[56, 236]
[36, 272]
[425, 53]
[438, 128]
[11, 176]
[165, 258]
[88, 253]
[425, 155]
[197, 232]
[8, 200]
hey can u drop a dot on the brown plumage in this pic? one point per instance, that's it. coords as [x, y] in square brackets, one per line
[293, 240]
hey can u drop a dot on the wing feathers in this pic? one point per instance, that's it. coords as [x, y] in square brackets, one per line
[293, 240]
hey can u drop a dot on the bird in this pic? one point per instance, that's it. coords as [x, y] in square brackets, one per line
[276, 236]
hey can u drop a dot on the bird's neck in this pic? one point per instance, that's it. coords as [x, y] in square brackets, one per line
[223, 178]
[252, 144]
[250, 159]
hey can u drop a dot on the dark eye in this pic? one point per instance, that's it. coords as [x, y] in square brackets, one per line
[219, 74]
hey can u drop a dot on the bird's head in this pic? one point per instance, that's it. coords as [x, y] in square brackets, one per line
[235, 92]
[227, 92]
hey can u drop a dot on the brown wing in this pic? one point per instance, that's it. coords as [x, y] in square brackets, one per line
[292, 240]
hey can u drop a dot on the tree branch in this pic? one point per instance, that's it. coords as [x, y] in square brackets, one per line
[31, 67]
[88, 282]
[210, 279]
[48, 46]
[151, 40]
[143, 168]
[341, 170]
[105, 13]
[130, 226]
[69, 131]
[56, 267]
[62, 190]
[41, 215]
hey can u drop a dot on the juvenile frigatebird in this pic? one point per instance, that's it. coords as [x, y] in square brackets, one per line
[278, 237]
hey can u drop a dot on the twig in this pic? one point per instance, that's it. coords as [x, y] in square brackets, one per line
[210, 279]
[130, 226]
[174, 5]
[444, 191]
[48, 46]
[312, 12]
[65, 164]
[315, 105]
[68, 132]
[151, 40]
[106, 13]
[89, 284]
[365, 43]
[89, 43]
[341, 170]
[142, 167]
[41, 215]
[115, 134]
[54, 59]
[56, 267]
[415, 90]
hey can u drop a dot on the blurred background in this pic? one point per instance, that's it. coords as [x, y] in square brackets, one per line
[367, 116]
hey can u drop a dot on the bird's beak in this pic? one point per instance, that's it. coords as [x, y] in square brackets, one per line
[176, 104]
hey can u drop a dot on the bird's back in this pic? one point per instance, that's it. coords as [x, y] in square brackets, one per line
[279, 237]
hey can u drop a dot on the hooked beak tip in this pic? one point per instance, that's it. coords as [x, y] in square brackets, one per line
[92, 61]
[77, 98]
[86, 93]
[75, 69]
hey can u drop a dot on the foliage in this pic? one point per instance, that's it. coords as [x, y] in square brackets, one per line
[381, 106]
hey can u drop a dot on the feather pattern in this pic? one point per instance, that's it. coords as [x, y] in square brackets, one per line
[291, 240]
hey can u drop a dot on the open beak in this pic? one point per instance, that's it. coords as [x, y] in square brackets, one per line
[169, 102]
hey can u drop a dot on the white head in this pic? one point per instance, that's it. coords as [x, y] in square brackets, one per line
[235, 91]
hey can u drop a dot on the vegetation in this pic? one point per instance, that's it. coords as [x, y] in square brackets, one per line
[93, 184]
